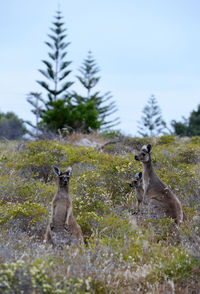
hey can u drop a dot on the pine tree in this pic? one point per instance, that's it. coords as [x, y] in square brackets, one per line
[60, 111]
[56, 71]
[89, 79]
[151, 123]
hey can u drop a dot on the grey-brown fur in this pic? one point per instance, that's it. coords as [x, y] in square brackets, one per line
[62, 228]
[139, 191]
[162, 202]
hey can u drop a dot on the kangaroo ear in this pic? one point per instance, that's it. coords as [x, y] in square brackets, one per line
[140, 175]
[56, 170]
[149, 148]
[68, 171]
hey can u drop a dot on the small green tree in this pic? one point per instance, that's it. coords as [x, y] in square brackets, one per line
[151, 123]
[56, 71]
[89, 79]
[79, 117]
[11, 127]
[188, 127]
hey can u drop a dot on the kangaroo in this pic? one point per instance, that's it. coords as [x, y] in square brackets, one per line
[137, 184]
[62, 227]
[161, 199]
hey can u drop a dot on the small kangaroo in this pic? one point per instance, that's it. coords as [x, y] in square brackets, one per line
[161, 199]
[139, 192]
[62, 227]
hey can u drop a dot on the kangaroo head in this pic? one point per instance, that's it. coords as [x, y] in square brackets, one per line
[144, 154]
[63, 177]
[137, 181]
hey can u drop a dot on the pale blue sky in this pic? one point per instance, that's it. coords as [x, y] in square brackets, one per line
[143, 47]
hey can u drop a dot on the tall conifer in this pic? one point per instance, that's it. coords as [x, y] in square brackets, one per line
[151, 123]
[56, 72]
[89, 79]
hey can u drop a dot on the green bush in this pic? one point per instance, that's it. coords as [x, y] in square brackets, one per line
[176, 264]
[117, 174]
[167, 139]
[195, 140]
[35, 278]
[27, 213]
[39, 157]
[90, 200]
[16, 189]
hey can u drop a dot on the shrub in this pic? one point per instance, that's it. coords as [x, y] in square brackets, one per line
[27, 213]
[167, 139]
[189, 155]
[34, 278]
[195, 140]
[16, 189]
[39, 157]
[90, 201]
[117, 174]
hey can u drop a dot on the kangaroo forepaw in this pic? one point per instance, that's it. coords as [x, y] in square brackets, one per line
[67, 223]
[66, 228]
[51, 226]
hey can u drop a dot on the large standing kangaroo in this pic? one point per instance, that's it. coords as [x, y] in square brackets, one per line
[62, 227]
[162, 202]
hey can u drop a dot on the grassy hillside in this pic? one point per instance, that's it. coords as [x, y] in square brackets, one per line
[123, 252]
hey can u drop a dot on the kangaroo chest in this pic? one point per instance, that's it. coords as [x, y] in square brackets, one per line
[146, 181]
[60, 210]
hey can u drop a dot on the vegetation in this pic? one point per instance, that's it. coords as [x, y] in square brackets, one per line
[81, 117]
[89, 80]
[188, 127]
[37, 103]
[57, 68]
[65, 109]
[11, 127]
[151, 123]
[123, 252]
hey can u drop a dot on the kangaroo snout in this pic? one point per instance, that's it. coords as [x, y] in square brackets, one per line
[136, 157]
[133, 183]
